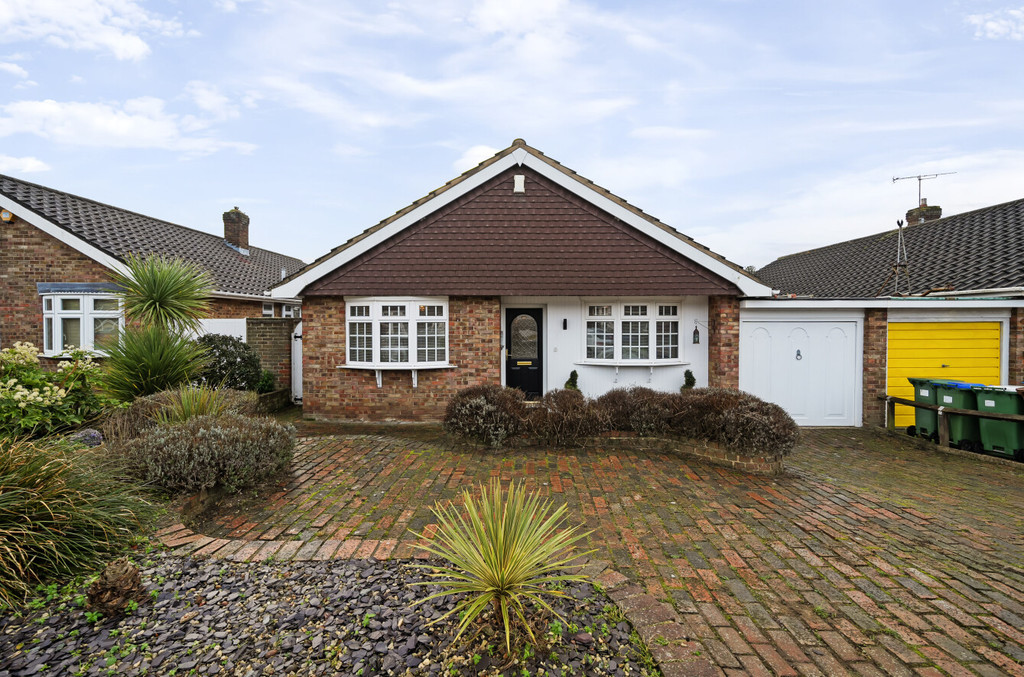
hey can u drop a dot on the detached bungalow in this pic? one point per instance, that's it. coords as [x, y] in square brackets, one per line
[57, 250]
[517, 273]
[951, 305]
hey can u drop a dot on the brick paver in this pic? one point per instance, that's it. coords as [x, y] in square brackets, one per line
[869, 555]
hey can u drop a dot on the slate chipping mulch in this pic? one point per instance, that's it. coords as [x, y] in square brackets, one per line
[353, 617]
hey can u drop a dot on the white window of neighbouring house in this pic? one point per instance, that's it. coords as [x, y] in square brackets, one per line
[88, 321]
[632, 332]
[288, 310]
[268, 310]
[397, 333]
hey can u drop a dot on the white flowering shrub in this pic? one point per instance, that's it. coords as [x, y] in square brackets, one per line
[35, 402]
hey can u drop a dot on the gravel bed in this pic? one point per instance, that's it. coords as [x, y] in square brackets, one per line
[210, 617]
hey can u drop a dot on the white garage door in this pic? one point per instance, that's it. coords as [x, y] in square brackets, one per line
[810, 369]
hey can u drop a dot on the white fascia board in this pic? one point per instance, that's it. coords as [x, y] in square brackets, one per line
[747, 286]
[294, 287]
[929, 304]
[58, 233]
[232, 296]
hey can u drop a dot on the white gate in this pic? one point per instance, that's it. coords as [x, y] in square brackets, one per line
[297, 364]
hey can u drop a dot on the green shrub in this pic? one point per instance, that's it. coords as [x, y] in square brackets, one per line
[689, 380]
[230, 451]
[189, 401]
[573, 382]
[565, 418]
[37, 403]
[147, 360]
[637, 409]
[737, 420]
[266, 382]
[508, 554]
[230, 363]
[127, 423]
[489, 414]
[62, 513]
[165, 292]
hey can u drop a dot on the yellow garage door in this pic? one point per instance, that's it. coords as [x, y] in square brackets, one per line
[962, 351]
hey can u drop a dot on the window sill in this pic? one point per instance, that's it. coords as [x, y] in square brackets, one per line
[633, 363]
[379, 369]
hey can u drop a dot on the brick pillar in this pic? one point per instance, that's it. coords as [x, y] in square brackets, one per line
[724, 341]
[876, 334]
[1016, 343]
[271, 338]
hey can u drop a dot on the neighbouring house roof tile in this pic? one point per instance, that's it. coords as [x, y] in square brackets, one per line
[119, 232]
[981, 249]
[545, 241]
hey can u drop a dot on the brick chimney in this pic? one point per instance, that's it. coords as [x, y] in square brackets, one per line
[923, 213]
[236, 229]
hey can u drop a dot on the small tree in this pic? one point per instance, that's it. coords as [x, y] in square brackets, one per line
[163, 299]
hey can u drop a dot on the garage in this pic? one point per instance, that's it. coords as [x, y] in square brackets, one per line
[961, 351]
[810, 365]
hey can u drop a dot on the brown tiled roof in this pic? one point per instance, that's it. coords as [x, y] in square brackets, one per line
[982, 249]
[521, 146]
[119, 232]
[546, 241]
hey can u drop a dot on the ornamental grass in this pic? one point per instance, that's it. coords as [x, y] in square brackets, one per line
[508, 553]
[62, 513]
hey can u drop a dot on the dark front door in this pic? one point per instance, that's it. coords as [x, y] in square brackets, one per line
[524, 350]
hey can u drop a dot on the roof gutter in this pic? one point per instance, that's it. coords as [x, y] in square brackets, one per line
[994, 291]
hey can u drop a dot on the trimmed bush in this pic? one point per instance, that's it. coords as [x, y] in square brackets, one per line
[62, 513]
[230, 451]
[565, 418]
[488, 414]
[122, 425]
[737, 420]
[639, 410]
[231, 363]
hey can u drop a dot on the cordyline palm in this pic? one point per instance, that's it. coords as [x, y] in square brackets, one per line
[164, 292]
[503, 553]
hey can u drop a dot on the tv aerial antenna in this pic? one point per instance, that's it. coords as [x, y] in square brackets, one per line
[920, 178]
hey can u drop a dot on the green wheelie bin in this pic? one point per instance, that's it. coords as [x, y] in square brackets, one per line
[963, 430]
[926, 421]
[1001, 437]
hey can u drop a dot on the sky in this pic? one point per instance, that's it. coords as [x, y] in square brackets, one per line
[757, 128]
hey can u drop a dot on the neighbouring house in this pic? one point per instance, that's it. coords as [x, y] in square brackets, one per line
[57, 251]
[517, 272]
[951, 305]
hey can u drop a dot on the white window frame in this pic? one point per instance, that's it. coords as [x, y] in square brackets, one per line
[290, 310]
[378, 306]
[54, 313]
[618, 317]
[268, 309]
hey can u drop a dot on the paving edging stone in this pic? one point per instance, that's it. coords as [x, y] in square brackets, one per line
[657, 623]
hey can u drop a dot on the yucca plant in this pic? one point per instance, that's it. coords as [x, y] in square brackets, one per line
[164, 292]
[147, 360]
[505, 552]
[61, 513]
[188, 401]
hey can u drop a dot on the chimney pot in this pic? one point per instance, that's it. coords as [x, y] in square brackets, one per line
[236, 229]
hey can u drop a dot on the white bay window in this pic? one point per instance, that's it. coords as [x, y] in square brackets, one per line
[631, 332]
[86, 321]
[386, 333]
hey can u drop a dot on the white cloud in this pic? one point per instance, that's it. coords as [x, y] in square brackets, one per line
[21, 165]
[1004, 24]
[116, 26]
[326, 104]
[472, 157]
[138, 123]
[209, 98]
[14, 69]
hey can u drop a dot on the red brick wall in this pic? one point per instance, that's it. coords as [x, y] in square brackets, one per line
[235, 308]
[271, 338]
[1016, 345]
[474, 333]
[876, 333]
[724, 341]
[28, 256]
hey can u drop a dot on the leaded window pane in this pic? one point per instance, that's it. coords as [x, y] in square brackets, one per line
[360, 341]
[431, 311]
[359, 311]
[599, 311]
[523, 342]
[668, 311]
[394, 340]
[600, 340]
[667, 341]
[392, 311]
[635, 340]
[430, 342]
[634, 311]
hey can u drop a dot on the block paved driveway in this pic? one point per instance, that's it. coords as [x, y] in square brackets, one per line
[870, 555]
